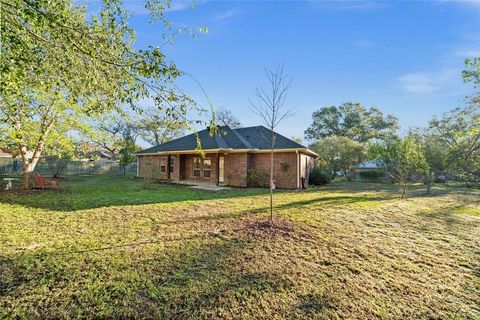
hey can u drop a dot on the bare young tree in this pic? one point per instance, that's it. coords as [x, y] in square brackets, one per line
[269, 104]
[225, 117]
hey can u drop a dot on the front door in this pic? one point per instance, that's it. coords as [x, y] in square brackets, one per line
[221, 168]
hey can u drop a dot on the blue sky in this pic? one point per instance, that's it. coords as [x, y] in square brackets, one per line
[404, 57]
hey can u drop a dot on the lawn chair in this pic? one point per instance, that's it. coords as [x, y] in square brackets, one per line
[39, 180]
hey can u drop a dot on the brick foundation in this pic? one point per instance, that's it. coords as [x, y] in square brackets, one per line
[236, 166]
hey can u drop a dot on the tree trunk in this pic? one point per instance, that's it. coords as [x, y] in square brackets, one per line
[272, 141]
[430, 176]
[404, 189]
[271, 184]
[28, 165]
[27, 170]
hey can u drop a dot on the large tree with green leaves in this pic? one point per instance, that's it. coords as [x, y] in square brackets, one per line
[402, 159]
[459, 129]
[338, 153]
[127, 152]
[58, 67]
[155, 127]
[351, 120]
[436, 153]
[471, 74]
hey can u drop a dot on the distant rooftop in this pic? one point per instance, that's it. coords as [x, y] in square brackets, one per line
[371, 164]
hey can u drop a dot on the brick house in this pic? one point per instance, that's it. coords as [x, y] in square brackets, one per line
[231, 157]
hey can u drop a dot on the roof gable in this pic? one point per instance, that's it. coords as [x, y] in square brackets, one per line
[257, 137]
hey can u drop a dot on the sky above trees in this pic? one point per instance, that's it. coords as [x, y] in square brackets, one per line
[403, 57]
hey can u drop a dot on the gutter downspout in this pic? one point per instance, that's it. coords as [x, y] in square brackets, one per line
[298, 169]
[138, 166]
[218, 169]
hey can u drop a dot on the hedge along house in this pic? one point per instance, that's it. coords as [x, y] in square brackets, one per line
[229, 158]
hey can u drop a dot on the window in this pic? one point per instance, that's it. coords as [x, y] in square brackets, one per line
[170, 165]
[207, 165]
[162, 165]
[197, 166]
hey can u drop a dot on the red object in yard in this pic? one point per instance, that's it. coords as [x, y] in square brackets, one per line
[39, 180]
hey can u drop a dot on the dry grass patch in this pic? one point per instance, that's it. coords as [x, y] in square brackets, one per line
[340, 252]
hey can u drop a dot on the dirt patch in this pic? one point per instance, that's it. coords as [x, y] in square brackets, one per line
[262, 228]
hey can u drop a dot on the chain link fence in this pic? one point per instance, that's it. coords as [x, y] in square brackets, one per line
[10, 167]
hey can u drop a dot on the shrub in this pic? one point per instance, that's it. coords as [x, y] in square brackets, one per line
[370, 175]
[257, 178]
[319, 177]
[284, 166]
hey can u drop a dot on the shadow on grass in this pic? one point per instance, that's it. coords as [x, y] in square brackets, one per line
[80, 193]
[193, 280]
[450, 216]
[395, 190]
[312, 304]
[327, 200]
[90, 192]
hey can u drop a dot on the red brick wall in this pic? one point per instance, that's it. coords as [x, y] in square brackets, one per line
[235, 173]
[236, 166]
[175, 175]
[285, 176]
[149, 167]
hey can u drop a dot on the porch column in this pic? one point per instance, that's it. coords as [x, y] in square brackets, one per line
[298, 169]
[218, 169]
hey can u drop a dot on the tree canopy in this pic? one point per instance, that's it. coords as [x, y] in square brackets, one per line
[459, 129]
[58, 67]
[225, 117]
[402, 159]
[471, 74]
[155, 127]
[353, 121]
[338, 153]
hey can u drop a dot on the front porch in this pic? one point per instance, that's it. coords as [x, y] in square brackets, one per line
[188, 169]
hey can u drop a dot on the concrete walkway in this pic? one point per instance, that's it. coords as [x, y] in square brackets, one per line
[209, 187]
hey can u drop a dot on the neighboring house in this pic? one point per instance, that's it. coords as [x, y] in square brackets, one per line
[5, 155]
[96, 156]
[367, 170]
[228, 158]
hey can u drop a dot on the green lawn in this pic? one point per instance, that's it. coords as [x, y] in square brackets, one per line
[106, 247]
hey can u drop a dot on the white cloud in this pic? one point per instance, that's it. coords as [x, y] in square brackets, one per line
[471, 3]
[225, 15]
[348, 4]
[363, 43]
[181, 5]
[427, 82]
[468, 52]
[137, 7]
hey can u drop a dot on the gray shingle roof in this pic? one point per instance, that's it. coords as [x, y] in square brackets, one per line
[257, 137]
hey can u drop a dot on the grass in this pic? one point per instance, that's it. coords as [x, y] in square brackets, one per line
[105, 247]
